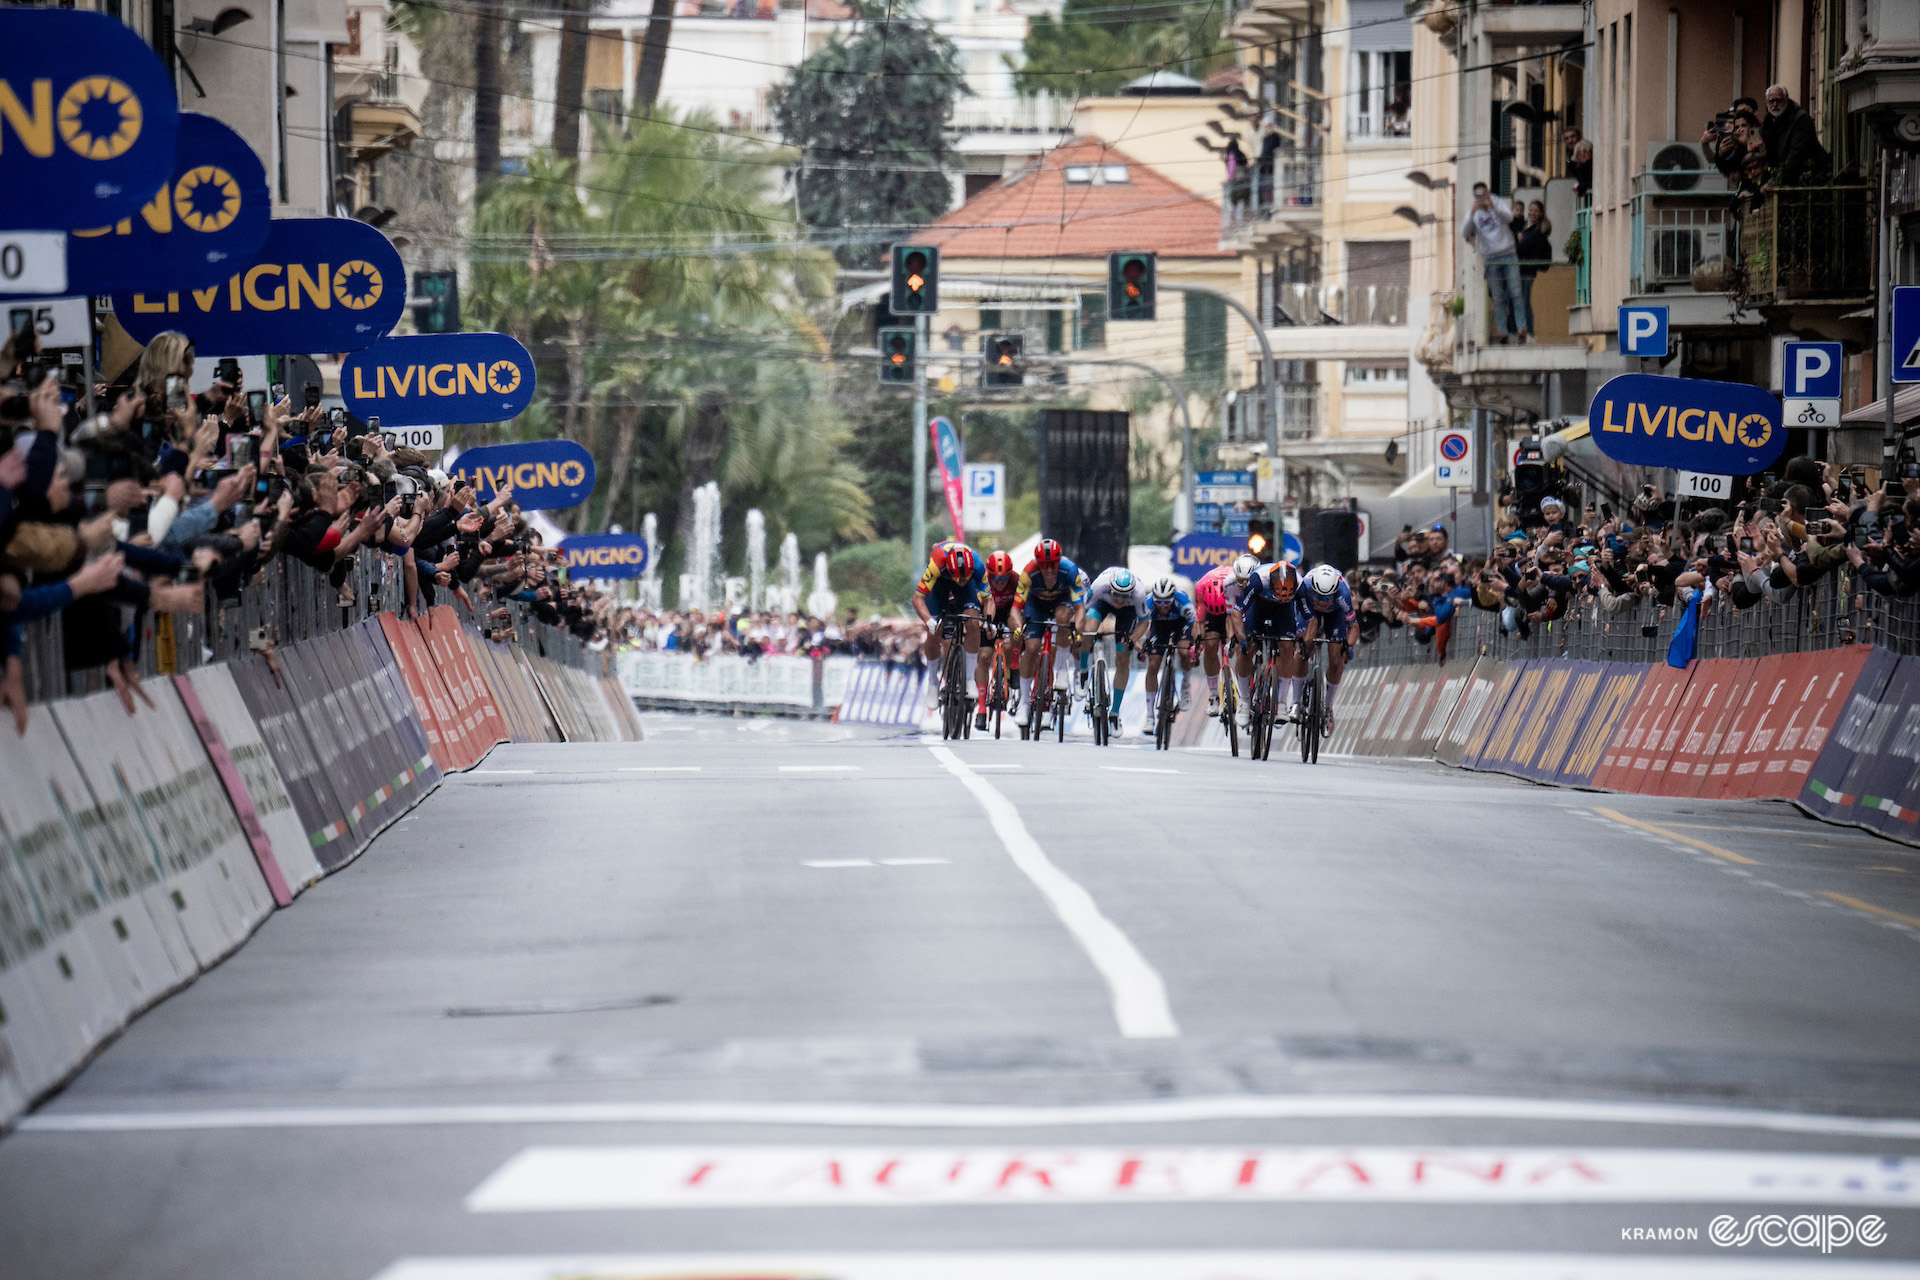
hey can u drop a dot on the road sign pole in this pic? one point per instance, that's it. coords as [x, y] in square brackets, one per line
[919, 442]
[1890, 439]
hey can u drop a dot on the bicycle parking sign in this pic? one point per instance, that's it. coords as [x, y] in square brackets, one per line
[1810, 384]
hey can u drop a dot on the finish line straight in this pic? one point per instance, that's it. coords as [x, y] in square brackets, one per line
[1139, 994]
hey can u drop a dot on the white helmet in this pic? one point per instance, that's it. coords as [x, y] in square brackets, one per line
[1164, 590]
[1243, 569]
[1324, 582]
[1122, 585]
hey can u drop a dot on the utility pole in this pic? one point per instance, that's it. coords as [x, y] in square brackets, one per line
[920, 442]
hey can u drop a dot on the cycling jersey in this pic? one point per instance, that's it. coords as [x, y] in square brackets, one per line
[1101, 602]
[1269, 606]
[1335, 616]
[1210, 593]
[1036, 598]
[944, 594]
[1165, 628]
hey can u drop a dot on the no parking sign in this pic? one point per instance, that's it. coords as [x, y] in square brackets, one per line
[1453, 460]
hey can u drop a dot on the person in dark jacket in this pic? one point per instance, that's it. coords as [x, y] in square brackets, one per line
[1533, 244]
[1793, 143]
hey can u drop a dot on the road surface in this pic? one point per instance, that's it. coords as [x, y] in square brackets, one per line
[764, 998]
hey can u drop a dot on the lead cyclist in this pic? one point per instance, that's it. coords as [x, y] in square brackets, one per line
[1327, 607]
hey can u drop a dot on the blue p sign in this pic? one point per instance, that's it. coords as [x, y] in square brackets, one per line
[1643, 332]
[1813, 371]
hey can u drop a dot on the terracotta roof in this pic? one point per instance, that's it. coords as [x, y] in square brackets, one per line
[1226, 80]
[1037, 213]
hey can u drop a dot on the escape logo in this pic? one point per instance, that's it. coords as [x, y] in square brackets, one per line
[1823, 1231]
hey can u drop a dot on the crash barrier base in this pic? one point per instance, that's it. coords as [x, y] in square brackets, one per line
[142, 843]
[772, 684]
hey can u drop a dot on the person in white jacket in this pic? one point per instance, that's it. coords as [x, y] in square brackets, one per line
[1489, 226]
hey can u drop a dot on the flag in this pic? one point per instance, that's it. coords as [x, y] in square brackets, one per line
[1686, 635]
[946, 447]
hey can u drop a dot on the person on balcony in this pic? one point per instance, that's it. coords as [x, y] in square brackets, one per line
[1793, 143]
[1488, 225]
[1534, 248]
[1579, 160]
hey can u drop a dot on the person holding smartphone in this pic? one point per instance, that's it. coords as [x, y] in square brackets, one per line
[1488, 225]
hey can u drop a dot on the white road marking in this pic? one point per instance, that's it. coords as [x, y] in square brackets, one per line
[1122, 768]
[1139, 995]
[1199, 1264]
[915, 862]
[661, 768]
[544, 1179]
[861, 1115]
[819, 768]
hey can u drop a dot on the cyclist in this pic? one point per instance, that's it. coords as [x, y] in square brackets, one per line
[955, 582]
[1216, 604]
[1051, 586]
[1003, 583]
[1110, 596]
[1328, 608]
[1268, 610]
[1169, 618]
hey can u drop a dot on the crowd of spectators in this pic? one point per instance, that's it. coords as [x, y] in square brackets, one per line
[1777, 539]
[167, 501]
[750, 634]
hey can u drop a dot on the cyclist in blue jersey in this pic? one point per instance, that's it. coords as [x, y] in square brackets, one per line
[1269, 610]
[1112, 595]
[1327, 609]
[1169, 619]
[955, 582]
[1051, 587]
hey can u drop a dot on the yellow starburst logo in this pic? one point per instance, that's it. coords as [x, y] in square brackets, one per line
[357, 285]
[504, 377]
[1754, 430]
[99, 117]
[207, 198]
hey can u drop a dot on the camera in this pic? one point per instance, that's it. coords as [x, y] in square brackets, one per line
[403, 487]
[227, 370]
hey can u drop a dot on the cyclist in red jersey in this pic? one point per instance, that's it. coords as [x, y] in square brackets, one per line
[1215, 603]
[1003, 585]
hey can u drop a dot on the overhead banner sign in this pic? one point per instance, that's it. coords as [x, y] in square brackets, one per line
[206, 222]
[438, 378]
[545, 475]
[946, 447]
[316, 284]
[1690, 424]
[605, 555]
[87, 120]
[1194, 554]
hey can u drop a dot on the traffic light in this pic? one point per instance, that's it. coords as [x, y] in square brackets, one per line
[916, 280]
[436, 301]
[1130, 286]
[896, 355]
[1001, 363]
[1260, 541]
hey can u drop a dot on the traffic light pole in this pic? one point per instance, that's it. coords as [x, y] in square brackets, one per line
[919, 442]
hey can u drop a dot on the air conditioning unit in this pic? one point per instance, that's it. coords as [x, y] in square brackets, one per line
[1676, 253]
[1682, 168]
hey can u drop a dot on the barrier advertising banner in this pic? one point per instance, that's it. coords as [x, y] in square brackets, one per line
[1803, 696]
[89, 130]
[1640, 742]
[1476, 707]
[1613, 698]
[432, 379]
[1692, 424]
[206, 222]
[605, 555]
[1699, 724]
[315, 284]
[545, 475]
[1880, 788]
[1830, 790]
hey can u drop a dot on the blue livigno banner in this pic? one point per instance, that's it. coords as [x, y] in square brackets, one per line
[605, 555]
[545, 475]
[1717, 428]
[1194, 554]
[207, 221]
[316, 284]
[435, 378]
[87, 120]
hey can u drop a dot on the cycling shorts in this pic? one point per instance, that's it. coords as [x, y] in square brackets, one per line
[1274, 620]
[1164, 633]
[1124, 617]
[1000, 613]
[949, 597]
[1214, 624]
[1038, 610]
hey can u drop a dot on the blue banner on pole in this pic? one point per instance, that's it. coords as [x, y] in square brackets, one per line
[207, 221]
[1195, 553]
[545, 475]
[436, 378]
[316, 284]
[1691, 424]
[606, 555]
[88, 120]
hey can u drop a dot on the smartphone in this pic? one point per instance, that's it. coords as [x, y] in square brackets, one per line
[312, 397]
[176, 393]
[373, 425]
[242, 450]
[1746, 545]
[279, 392]
[1606, 511]
[1844, 490]
[228, 371]
[256, 407]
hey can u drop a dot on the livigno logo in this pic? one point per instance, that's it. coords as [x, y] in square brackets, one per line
[1823, 1231]
[438, 378]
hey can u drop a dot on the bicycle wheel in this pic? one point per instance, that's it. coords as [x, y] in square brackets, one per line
[1260, 716]
[1230, 711]
[1102, 699]
[997, 694]
[1308, 727]
[1318, 692]
[954, 690]
[1169, 695]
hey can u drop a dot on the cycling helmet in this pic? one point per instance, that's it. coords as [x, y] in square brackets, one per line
[1211, 594]
[958, 562]
[1282, 580]
[1243, 569]
[999, 565]
[1164, 591]
[1324, 582]
[1046, 554]
[1122, 586]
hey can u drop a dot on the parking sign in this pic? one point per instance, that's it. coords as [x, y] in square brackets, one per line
[1453, 463]
[984, 507]
[1906, 333]
[1643, 332]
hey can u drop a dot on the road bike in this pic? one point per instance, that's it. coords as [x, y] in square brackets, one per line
[1263, 706]
[956, 703]
[1229, 699]
[1100, 699]
[1168, 710]
[1313, 703]
[1047, 698]
[1000, 701]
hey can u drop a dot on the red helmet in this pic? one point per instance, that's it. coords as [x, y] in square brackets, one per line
[999, 565]
[1046, 554]
[958, 562]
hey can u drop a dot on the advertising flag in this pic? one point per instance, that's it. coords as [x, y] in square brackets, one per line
[946, 447]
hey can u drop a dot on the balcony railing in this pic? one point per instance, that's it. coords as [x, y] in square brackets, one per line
[1583, 269]
[1039, 114]
[1681, 242]
[1299, 413]
[1809, 244]
[1257, 194]
[1309, 304]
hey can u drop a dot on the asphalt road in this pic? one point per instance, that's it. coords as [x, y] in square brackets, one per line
[762, 998]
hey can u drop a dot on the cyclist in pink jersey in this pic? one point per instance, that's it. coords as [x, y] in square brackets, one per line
[1215, 601]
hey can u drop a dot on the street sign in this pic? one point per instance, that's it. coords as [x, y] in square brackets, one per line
[1698, 484]
[1366, 534]
[33, 262]
[427, 439]
[1811, 413]
[62, 322]
[1689, 424]
[1266, 481]
[1643, 332]
[1453, 460]
[1906, 333]
[1290, 549]
[1223, 493]
[1223, 477]
[1812, 372]
[984, 509]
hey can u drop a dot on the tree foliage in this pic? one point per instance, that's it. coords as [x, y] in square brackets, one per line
[1096, 46]
[868, 114]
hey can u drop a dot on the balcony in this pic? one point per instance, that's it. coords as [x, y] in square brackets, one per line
[1336, 322]
[1299, 414]
[1263, 205]
[1683, 252]
[1014, 114]
[1255, 20]
[1808, 245]
[1368, 304]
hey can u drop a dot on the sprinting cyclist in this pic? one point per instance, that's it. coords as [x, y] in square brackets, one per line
[1110, 596]
[1050, 587]
[955, 582]
[1329, 611]
[1168, 619]
[1268, 610]
[1216, 599]
[1003, 583]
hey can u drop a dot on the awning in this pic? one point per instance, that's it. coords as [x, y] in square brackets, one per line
[1906, 408]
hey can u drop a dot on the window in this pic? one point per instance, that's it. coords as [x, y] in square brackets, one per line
[989, 320]
[1382, 94]
[1079, 174]
[1374, 375]
[1206, 337]
[1091, 331]
[1113, 172]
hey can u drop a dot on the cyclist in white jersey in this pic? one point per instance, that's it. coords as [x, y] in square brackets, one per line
[1114, 594]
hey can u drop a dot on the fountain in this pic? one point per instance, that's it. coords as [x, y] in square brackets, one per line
[703, 560]
[650, 581]
[756, 560]
[789, 574]
[821, 600]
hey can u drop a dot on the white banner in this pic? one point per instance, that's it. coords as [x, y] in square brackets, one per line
[775, 679]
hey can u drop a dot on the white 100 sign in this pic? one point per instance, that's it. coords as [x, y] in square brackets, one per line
[1694, 484]
[425, 439]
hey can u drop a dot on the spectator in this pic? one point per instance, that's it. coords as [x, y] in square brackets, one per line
[1534, 248]
[1579, 160]
[1793, 143]
[1488, 224]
